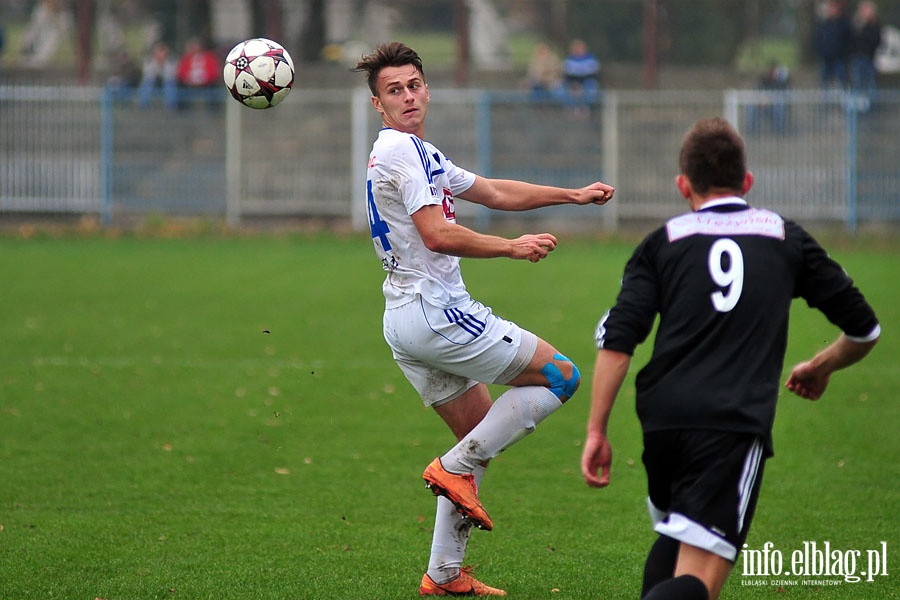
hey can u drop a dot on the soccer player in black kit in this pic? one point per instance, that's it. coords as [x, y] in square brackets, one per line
[721, 278]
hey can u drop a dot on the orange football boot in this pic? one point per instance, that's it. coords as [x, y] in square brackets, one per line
[463, 585]
[458, 489]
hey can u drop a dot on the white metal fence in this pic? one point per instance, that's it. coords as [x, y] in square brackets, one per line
[816, 155]
[50, 150]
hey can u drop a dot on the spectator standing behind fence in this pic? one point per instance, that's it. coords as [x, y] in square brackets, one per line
[581, 73]
[834, 36]
[775, 82]
[50, 23]
[199, 67]
[544, 74]
[866, 39]
[125, 75]
[2, 44]
[159, 73]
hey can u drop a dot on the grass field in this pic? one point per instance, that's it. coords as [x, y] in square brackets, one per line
[219, 418]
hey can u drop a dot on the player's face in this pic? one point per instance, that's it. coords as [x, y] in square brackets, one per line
[402, 99]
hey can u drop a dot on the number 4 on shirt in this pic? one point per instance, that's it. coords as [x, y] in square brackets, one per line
[378, 227]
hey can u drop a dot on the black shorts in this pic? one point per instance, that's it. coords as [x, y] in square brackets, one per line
[703, 486]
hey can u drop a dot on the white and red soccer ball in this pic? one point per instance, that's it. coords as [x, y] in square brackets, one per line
[259, 73]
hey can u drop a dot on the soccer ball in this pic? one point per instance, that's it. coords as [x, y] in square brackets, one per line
[259, 73]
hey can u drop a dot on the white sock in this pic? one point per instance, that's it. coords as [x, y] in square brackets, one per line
[513, 416]
[451, 536]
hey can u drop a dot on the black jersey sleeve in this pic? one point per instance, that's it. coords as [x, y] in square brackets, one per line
[630, 320]
[826, 286]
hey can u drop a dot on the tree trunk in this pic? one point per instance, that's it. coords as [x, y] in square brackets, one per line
[312, 38]
[85, 14]
[461, 29]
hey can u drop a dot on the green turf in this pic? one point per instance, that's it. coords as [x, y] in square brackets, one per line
[219, 418]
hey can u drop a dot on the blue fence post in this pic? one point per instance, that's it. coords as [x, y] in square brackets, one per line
[106, 156]
[851, 111]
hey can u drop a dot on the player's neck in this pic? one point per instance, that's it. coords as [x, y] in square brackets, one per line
[701, 202]
[419, 133]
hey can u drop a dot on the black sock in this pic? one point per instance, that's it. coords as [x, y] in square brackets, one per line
[660, 563]
[685, 587]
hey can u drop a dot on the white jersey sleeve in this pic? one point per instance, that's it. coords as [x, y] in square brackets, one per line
[405, 174]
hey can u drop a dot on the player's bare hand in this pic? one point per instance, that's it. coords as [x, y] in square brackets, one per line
[596, 460]
[533, 247]
[596, 193]
[807, 381]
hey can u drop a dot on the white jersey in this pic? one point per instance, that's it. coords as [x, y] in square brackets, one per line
[406, 173]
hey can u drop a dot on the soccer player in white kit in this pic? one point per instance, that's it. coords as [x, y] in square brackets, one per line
[448, 345]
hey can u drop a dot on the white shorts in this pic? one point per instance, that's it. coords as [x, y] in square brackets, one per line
[445, 351]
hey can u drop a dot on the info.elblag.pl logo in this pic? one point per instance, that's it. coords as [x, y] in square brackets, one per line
[813, 563]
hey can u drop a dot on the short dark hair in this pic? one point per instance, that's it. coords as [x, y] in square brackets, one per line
[712, 156]
[390, 54]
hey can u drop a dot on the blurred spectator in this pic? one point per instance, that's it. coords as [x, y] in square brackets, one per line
[581, 73]
[125, 74]
[775, 81]
[199, 66]
[866, 39]
[47, 27]
[199, 70]
[544, 74]
[834, 36]
[776, 77]
[159, 73]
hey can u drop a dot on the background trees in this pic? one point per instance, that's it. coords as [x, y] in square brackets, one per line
[715, 33]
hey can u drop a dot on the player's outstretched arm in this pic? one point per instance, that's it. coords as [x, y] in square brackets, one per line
[511, 195]
[610, 369]
[440, 235]
[809, 379]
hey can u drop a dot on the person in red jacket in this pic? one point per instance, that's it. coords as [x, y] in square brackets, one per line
[199, 67]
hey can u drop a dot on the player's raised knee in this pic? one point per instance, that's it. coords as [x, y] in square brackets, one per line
[562, 376]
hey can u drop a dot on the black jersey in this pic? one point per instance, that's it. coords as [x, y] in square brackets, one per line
[722, 280]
